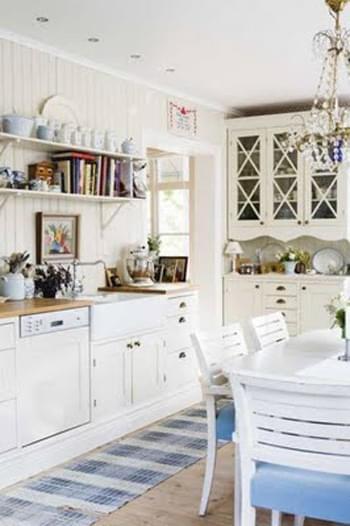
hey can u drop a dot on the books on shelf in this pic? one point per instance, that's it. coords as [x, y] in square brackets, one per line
[86, 174]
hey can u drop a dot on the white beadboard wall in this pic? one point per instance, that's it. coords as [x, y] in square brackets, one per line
[28, 77]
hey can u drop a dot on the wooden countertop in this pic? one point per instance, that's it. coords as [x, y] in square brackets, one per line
[12, 309]
[157, 288]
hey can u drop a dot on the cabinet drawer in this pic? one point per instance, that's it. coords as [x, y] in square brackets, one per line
[179, 329]
[8, 435]
[7, 336]
[180, 304]
[181, 369]
[7, 375]
[290, 316]
[281, 289]
[281, 302]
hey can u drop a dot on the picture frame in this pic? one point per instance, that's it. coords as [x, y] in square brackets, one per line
[174, 269]
[112, 278]
[57, 237]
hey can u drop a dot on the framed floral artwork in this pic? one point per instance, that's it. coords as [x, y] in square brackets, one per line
[57, 237]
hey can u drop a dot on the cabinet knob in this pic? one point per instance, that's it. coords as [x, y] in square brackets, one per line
[257, 286]
[182, 355]
[137, 343]
[129, 345]
[183, 305]
[182, 319]
[284, 314]
[299, 222]
[307, 222]
[303, 288]
[262, 222]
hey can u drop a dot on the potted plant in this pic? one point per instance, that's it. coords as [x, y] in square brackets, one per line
[154, 244]
[336, 309]
[12, 283]
[49, 279]
[289, 259]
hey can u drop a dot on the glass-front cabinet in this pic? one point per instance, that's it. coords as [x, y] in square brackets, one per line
[285, 170]
[272, 187]
[247, 186]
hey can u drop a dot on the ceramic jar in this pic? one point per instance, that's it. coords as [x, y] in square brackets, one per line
[111, 141]
[97, 140]
[12, 286]
[128, 146]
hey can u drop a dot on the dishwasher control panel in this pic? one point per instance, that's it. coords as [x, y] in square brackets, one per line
[48, 322]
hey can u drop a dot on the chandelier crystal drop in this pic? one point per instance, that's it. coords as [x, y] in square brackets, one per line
[323, 137]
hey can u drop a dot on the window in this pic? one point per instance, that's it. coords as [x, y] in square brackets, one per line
[169, 212]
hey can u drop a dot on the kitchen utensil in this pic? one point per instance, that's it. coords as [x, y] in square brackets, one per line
[328, 261]
[17, 125]
[140, 267]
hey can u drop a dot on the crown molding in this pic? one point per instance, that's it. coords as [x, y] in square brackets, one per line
[78, 59]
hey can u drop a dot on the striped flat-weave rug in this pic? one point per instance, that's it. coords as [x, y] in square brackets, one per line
[81, 491]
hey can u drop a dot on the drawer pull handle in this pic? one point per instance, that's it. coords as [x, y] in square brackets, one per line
[183, 305]
[257, 286]
[182, 355]
[284, 314]
[182, 320]
[281, 301]
[137, 343]
[281, 288]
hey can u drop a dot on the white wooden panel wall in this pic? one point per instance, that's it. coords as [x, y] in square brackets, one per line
[27, 78]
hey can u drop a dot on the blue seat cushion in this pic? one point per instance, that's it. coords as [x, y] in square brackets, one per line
[225, 422]
[302, 492]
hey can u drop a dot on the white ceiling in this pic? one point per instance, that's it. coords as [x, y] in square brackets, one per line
[231, 53]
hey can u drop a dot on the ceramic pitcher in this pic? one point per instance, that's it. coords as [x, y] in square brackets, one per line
[12, 286]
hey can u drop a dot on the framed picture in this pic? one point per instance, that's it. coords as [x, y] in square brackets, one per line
[174, 269]
[57, 237]
[112, 278]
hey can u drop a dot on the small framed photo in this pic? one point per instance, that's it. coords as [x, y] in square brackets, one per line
[57, 237]
[112, 278]
[174, 269]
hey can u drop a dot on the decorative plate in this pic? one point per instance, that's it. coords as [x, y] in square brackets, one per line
[61, 109]
[328, 261]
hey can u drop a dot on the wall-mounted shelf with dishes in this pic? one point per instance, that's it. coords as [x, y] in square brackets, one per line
[7, 139]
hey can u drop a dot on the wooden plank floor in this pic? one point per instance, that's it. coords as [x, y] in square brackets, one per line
[175, 501]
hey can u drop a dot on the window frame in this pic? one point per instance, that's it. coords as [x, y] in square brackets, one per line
[155, 186]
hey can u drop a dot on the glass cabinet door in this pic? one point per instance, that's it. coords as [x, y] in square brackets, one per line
[324, 196]
[285, 179]
[247, 176]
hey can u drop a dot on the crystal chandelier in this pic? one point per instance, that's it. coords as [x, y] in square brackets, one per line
[324, 135]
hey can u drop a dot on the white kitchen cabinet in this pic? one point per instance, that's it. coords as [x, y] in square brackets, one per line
[301, 299]
[147, 366]
[8, 435]
[274, 192]
[181, 369]
[243, 299]
[247, 186]
[313, 298]
[110, 379]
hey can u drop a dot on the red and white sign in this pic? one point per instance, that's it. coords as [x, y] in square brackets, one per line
[182, 120]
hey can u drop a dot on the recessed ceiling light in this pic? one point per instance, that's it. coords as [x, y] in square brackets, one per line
[135, 56]
[94, 40]
[170, 70]
[42, 19]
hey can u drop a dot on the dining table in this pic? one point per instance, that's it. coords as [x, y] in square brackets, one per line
[310, 357]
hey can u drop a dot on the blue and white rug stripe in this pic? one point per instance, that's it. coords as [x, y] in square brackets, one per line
[81, 491]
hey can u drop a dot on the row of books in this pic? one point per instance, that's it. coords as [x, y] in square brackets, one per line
[86, 174]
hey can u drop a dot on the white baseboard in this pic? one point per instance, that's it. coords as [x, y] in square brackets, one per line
[30, 460]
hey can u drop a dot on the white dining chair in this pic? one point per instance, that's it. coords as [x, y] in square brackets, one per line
[294, 447]
[212, 348]
[270, 329]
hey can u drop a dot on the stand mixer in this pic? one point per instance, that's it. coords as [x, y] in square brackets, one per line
[140, 267]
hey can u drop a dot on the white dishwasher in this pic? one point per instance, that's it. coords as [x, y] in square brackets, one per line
[53, 367]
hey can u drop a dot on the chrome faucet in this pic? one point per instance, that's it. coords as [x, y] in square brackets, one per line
[77, 287]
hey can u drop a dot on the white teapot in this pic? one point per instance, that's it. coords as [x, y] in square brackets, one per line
[12, 286]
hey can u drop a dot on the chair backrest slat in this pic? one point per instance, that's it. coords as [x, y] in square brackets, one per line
[214, 347]
[292, 423]
[270, 329]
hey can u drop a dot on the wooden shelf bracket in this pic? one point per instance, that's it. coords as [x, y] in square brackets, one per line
[105, 222]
